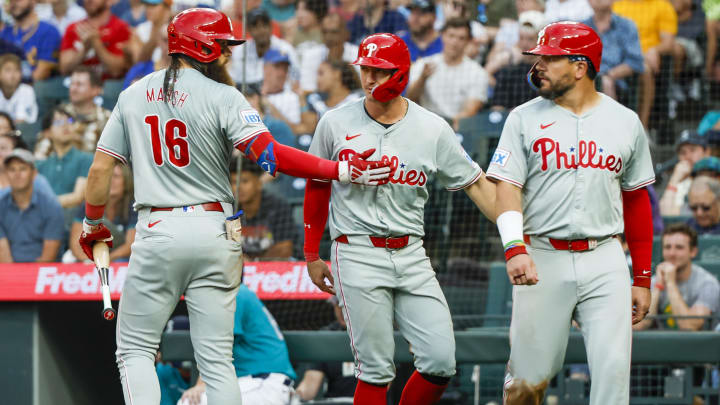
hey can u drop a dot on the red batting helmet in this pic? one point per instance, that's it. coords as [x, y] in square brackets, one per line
[386, 51]
[571, 39]
[194, 32]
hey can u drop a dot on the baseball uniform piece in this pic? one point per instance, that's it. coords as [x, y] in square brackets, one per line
[395, 282]
[572, 169]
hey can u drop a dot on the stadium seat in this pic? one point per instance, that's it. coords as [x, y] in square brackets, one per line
[111, 92]
[674, 219]
[709, 248]
[499, 297]
[479, 134]
[713, 267]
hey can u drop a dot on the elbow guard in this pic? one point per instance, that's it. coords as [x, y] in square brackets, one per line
[261, 150]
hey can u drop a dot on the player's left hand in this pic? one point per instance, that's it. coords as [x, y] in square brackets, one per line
[357, 170]
[318, 271]
[640, 303]
[193, 395]
[92, 234]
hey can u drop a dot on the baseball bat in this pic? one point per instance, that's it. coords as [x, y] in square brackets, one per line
[101, 253]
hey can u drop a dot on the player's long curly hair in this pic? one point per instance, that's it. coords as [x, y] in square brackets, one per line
[212, 70]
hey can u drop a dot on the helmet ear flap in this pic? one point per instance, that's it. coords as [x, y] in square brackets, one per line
[532, 77]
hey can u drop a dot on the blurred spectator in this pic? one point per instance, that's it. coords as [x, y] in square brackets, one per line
[347, 9]
[145, 41]
[338, 84]
[621, 56]
[704, 202]
[283, 102]
[39, 39]
[375, 17]
[9, 141]
[268, 229]
[334, 47]
[97, 41]
[690, 147]
[460, 9]
[85, 89]
[421, 38]
[712, 15]
[656, 23]
[130, 11]
[709, 127]
[449, 83]
[236, 14]
[688, 55]
[141, 69]
[508, 54]
[174, 377]
[279, 10]
[680, 287]
[567, 10]
[496, 12]
[260, 356]
[511, 86]
[120, 218]
[709, 167]
[340, 376]
[31, 226]
[278, 128]
[60, 13]
[309, 15]
[261, 41]
[508, 32]
[67, 167]
[17, 99]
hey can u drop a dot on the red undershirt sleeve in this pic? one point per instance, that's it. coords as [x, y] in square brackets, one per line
[637, 214]
[315, 214]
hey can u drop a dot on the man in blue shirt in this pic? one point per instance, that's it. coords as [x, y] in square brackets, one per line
[375, 18]
[31, 224]
[421, 38]
[621, 54]
[40, 40]
[260, 356]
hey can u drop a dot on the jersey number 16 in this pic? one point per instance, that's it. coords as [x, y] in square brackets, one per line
[178, 149]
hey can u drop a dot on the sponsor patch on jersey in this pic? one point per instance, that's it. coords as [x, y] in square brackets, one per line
[500, 157]
[251, 117]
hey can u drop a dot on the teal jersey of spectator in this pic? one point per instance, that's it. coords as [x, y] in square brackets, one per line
[172, 385]
[117, 226]
[620, 45]
[259, 346]
[40, 43]
[63, 172]
[708, 121]
[40, 183]
[27, 230]
[278, 13]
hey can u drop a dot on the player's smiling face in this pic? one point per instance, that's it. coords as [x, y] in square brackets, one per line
[556, 76]
[372, 77]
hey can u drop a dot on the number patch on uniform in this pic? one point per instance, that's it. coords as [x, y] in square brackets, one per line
[175, 142]
[500, 157]
[250, 117]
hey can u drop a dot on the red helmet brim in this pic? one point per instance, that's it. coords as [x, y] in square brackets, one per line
[546, 50]
[374, 62]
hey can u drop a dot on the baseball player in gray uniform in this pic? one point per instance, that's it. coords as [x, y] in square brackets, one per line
[178, 127]
[572, 167]
[380, 271]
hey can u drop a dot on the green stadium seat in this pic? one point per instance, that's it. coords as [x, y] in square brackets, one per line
[713, 267]
[674, 219]
[657, 250]
[499, 297]
[111, 92]
[709, 248]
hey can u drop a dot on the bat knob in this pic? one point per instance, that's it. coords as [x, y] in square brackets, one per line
[109, 314]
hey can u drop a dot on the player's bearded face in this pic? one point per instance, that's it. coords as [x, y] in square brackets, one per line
[555, 76]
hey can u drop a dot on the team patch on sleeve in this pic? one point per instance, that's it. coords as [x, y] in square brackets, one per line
[500, 157]
[251, 117]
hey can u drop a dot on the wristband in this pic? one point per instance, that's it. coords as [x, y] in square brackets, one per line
[641, 281]
[94, 212]
[514, 251]
[659, 286]
[672, 188]
[93, 222]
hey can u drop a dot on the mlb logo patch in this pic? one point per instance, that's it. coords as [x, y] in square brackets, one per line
[189, 208]
[500, 157]
[251, 117]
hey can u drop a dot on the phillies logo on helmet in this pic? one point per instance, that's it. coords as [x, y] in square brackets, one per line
[588, 155]
[398, 170]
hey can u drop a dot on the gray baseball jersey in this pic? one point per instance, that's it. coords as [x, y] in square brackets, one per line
[178, 148]
[572, 168]
[421, 145]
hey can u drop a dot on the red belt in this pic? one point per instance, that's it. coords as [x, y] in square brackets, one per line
[577, 245]
[397, 242]
[213, 206]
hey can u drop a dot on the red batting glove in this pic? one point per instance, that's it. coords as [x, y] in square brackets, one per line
[365, 172]
[92, 234]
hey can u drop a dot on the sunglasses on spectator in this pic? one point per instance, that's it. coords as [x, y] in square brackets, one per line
[701, 207]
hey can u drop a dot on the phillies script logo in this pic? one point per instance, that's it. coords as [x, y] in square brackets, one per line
[588, 155]
[398, 175]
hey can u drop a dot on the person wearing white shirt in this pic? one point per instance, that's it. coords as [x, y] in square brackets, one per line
[60, 13]
[449, 83]
[16, 99]
[567, 10]
[283, 102]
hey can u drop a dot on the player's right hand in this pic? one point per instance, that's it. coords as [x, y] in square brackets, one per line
[193, 395]
[319, 271]
[357, 170]
[92, 234]
[521, 270]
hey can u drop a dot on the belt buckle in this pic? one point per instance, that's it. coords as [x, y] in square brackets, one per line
[390, 240]
[592, 244]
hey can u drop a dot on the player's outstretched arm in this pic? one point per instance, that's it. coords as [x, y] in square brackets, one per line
[520, 267]
[483, 194]
[273, 157]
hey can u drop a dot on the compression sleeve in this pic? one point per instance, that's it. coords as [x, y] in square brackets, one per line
[315, 213]
[272, 157]
[637, 214]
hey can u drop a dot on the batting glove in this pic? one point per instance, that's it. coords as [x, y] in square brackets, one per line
[365, 172]
[94, 233]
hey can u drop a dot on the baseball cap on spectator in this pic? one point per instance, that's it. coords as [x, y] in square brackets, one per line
[532, 19]
[258, 15]
[426, 6]
[710, 164]
[20, 154]
[690, 137]
[275, 56]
